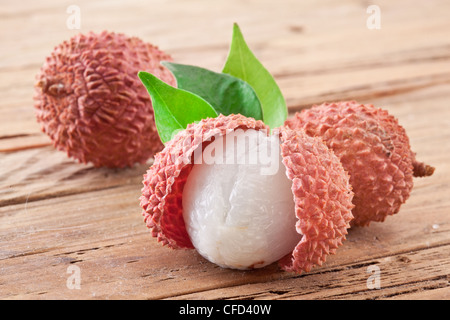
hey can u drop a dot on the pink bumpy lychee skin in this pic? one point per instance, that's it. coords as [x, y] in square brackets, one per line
[373, 148]
[320, 189]
[91, 103]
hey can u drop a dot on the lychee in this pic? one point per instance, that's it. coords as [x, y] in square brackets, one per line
[222, 199]
[245, 197]
[374, 149]
[91, 103]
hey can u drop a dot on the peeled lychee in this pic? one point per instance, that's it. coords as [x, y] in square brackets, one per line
[245, 198]
[232, 201]
[373, 148]
[91, 103]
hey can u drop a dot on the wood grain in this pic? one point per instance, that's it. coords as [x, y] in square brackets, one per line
[56, 213]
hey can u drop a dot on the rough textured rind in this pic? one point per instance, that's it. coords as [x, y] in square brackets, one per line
[320, 187]
[91, 103]
[322, 195]
[164, 181]
[372, 147]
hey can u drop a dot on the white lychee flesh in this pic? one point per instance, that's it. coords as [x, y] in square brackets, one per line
[238, 206]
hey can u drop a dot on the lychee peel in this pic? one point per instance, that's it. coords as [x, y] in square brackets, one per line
[320, 188]
[322, 195]
[373, 147]
[90, 102]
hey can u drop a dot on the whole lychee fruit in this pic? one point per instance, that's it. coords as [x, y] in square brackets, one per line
[91, 103]
[245, 198]
[374, 149]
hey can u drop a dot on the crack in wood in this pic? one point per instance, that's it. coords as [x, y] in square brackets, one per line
[397, 286]
[383, 63]
[374, 90]
[20, 135]
[40, 197]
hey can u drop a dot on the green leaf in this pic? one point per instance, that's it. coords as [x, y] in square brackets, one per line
[225, 93]
[243, 64]
[174, 108]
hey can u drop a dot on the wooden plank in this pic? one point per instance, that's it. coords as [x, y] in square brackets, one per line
[353, 281]
[56, 213]
[103, 234]
[43, 173]
[23, 142]
[310, 63]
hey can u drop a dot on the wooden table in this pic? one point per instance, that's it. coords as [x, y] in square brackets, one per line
[58, 217]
